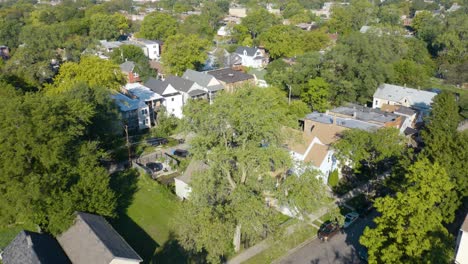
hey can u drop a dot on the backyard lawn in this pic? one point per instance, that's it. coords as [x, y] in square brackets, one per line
[147, 224]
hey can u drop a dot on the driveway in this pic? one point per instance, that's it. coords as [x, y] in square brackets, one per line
[342, 248]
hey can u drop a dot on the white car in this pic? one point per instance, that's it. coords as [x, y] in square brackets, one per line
[350, 218]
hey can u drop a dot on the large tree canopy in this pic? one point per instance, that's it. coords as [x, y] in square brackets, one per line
[92, 71]
[410, 228]
[182, 52]
[43, 152]
[240, 139]
[158, 26]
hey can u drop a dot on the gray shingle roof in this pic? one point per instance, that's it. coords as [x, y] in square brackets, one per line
[229, 75]
[196, 92]
[417, 98]
[156, 86]
[93, 240]
[201, 78]
[180, 84]
[34, 248]
[250, 51]
[127, 66]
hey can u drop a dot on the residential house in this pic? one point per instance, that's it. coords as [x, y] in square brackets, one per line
[91, 239]
[320, 130]
[145, 94]
[172, 98]
[461, 248]
[182, 183]
[205, 80]
[135, 113]
[389, 94]
[232, 79]
[152, 48]
[325, 11]
[220, 58]
[224, 31]
[189, 89]
[34, 248]
[128, 69]
[252, 57]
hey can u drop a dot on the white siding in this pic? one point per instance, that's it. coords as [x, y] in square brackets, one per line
[461, 256]
[182, 189]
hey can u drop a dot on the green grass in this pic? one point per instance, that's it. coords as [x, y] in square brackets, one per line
[280, 246]
[8, 233]
[147, 224]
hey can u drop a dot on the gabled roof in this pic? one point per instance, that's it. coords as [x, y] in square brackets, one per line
[156, 86]
[93, 240]
[34, 248]
[317, 154]
[250, 51]
[464, 226]
[228, 75]
[179, 83]
[127, 66]
[196, 92]
[202, 79]
[395, 93]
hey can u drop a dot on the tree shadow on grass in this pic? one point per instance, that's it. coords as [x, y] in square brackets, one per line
[125, 185]
[172, 252]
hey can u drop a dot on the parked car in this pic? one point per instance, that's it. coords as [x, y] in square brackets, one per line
[327, 230]
[154, 166]
[350, 218]
[181, 153]
[156, 141]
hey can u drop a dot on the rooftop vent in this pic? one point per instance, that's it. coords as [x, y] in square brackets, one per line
[231, 75]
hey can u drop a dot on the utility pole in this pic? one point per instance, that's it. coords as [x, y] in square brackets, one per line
[128, 146]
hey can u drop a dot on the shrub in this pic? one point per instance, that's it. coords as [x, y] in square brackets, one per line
[333, 179]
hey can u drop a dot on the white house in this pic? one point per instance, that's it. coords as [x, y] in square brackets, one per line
[389, 94]
[152, 48]
[461, 249]
[182, 183]
[145, 94]
[252, 57]
[172, 98]
[312, 148]
[135, 113]
[189, 89]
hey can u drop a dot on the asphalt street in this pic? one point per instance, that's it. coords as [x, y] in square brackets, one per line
[341, 248]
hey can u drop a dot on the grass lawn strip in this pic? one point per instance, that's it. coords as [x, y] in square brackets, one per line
[146, 226]
[280, 246]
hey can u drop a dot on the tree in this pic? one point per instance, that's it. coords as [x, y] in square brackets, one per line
[282, 41]
[317, 94]
[410, 73]
[103, 26]
[369, 149]
[44, 151]
[239, 138]
[259, 21]
[199, 25]
[444, 144]
[135, 54]
[410, 228]
[346, 19]
[92, 71]
[364, 61]
[182, 52]
[158, 25]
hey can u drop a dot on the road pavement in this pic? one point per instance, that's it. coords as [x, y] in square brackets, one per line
[341, 248]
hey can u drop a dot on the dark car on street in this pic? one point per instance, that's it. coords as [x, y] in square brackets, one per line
[327, 230]
[156, 141]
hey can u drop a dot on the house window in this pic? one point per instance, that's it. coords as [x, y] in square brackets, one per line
[312, 128]
[143, 111]
[376, 102]
[172, 99]
[144, 122]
